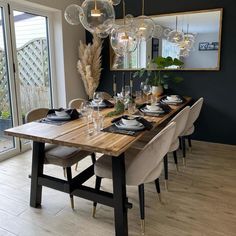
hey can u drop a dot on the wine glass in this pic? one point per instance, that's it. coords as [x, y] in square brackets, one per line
[147, 90]
[97, 98]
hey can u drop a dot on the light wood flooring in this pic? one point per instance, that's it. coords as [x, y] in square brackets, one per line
[201, 200]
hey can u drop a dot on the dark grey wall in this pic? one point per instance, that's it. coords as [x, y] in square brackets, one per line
[217, 122]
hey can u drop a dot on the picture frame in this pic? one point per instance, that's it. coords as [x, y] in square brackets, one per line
[208, 46]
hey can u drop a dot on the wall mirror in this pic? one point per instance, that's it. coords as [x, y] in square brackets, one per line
[204, 28]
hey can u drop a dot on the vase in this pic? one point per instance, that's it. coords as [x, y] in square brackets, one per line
[157, 90]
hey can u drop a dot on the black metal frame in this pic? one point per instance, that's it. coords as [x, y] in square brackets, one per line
[118, 200]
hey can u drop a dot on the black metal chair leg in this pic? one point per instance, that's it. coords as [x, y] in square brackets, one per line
[184, 150]
[93, 157]
[166, 171]
[69, 178]
[176, 160]
[180, 143]
[142, 206]
[157, 183]
[189, 143]
[97, 187]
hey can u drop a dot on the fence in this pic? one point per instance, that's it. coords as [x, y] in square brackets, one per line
[33, 72]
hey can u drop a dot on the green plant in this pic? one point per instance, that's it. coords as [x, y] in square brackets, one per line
[119, 109]
[5, 115]
[159, 76]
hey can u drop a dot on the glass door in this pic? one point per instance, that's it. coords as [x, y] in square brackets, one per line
[25, 74]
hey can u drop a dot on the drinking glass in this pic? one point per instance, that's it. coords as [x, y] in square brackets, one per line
[97, 98]
[89, 120]
[131, 108]
[147, 89]
[138, 97]
[98, 120]
[142, 85]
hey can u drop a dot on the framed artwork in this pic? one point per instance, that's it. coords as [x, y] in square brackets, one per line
[206, 46]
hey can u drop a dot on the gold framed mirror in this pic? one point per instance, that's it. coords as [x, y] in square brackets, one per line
[204, 25]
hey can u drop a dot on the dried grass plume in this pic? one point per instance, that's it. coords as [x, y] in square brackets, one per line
[89, 64]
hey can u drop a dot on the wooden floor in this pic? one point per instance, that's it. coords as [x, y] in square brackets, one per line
[201, 200]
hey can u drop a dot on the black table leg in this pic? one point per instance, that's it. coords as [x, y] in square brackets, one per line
[37, 170]
[120, 198]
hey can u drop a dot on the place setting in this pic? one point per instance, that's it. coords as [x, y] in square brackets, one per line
[60, 116]
[98, 102]
[154, 109]
[128, 125]
[172, 99]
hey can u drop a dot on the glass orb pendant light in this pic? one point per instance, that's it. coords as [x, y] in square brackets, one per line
[176, 36]
[123, 40]
[145, 26]
[72, 13]
[98, 16]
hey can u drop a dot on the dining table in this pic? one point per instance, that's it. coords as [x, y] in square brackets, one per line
[75, 134]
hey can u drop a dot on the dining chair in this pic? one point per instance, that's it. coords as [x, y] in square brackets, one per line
[62, 156]
[106, 95]
[76, 103]
[180, 120]
[194, 113]
[142, 166]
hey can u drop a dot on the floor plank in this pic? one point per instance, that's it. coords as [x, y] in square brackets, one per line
[200, 200]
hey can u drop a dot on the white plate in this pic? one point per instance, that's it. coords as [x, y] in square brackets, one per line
[120, 125]
[58, 118]
[171, 102]
[145, 110]
[93, 104]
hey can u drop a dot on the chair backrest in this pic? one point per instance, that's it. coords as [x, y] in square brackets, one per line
[194, 113]
[106, 95]
[180, 119]
[36, 114]
[145, 167]
[76, 103]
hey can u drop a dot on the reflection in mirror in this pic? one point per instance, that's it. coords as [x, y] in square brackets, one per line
[192, 37]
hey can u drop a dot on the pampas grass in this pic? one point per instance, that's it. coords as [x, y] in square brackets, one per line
[89, 64]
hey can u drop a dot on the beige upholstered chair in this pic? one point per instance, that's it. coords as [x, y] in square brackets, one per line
[142, 166]
[59, 155]
[106, 95]
[194, 113]
[180, 119]
[76, 103]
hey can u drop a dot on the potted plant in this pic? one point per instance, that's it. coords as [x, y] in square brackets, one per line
[157, 77]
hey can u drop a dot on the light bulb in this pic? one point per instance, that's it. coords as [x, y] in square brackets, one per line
[176, 37]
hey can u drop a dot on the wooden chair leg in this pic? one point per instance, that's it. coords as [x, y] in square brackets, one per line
[157, 183]
[69, 178]
[176, 160]
[97, 187]
[184, 150]
[142, 207]
[166, 171]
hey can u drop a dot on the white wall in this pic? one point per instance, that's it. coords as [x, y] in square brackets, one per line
[68, 80]
[202, 59]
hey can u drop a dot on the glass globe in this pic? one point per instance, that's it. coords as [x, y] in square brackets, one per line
[129, 19]
[184, 53]
[158, 31]
[123, 40]
[72, 13]
[115, 2]
[98, 16]
[176, 37]
[145, 27]
[103, 35]
[166, 32]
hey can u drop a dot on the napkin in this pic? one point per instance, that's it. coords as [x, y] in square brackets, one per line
[141, 120]
[73, 113]
[104, 101]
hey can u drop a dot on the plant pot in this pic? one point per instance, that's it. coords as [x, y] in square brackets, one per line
[5, 124]
[157, 90]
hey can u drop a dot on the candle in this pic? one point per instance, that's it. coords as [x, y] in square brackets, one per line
[123, 81]
[114, 85]
[131, 83]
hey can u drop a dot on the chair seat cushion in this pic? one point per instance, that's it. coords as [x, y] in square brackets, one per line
[174, 145]
[188, 131]
[63, 156]
[103, 166]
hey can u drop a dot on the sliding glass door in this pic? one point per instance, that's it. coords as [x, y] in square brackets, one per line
[27, 84]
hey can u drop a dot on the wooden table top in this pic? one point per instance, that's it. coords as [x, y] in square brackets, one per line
[75, 134]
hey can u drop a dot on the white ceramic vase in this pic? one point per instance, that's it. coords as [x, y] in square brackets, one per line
[157, 90]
